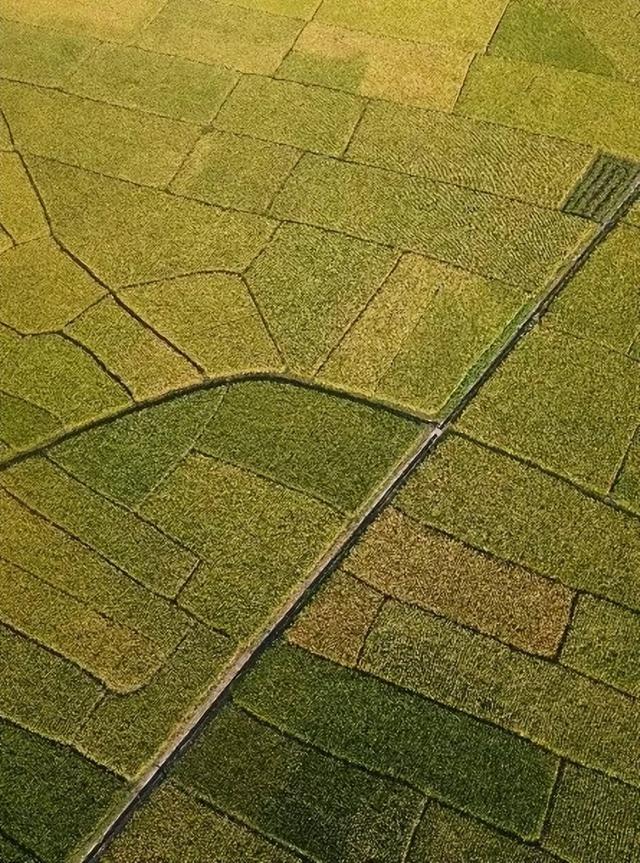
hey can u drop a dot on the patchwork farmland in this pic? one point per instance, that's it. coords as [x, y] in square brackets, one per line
[319, 431]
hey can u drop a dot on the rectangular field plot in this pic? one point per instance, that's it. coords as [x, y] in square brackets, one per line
[602, 301]
[467, 152]
[492, 236]
[482, 769]
[594, 819]
[470, 27]
[564, 403]
[428, 568]
[541, 701]
[510, 509]
[49, 794]
[428, 74]
[175, 820]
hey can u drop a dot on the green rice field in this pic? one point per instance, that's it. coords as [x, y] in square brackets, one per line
[319, 431]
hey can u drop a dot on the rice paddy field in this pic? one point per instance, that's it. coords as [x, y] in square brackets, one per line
[319, 431]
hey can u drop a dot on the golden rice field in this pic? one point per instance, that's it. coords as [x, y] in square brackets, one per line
[319, 431]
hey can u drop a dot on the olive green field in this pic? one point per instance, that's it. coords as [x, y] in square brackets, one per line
[319, 431]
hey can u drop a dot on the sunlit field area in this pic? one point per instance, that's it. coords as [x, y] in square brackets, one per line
[319, 431]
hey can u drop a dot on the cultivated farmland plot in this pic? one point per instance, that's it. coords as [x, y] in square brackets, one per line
[319, 431]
